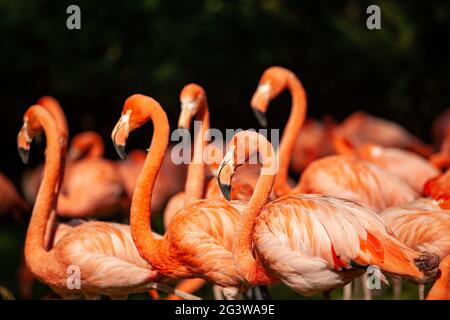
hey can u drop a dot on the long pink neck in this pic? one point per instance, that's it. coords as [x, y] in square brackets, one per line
[290, 134]
[54, 108]
[196, 175]
[155, 251]
[246, 264]
[36, 253]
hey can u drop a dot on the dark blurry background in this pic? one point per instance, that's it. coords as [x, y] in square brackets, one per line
[154, 47]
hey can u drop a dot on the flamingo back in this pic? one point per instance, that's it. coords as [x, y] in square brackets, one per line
[409, 166]
[312, 242]
[422, 230]
[347, 177]
[106, 257]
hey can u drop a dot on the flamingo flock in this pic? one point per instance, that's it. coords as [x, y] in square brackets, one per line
[369, 194]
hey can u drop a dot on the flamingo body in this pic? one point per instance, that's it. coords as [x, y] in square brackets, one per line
[361, 128]
[410, 167]
[421, 229]
[311, 242]
[201, 237]
[347, 177]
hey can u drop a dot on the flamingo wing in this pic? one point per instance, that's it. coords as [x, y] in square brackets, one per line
[409, 166]
[202, 234]
[313, 243]
[422, 230]
[105, 255]
[347, 177]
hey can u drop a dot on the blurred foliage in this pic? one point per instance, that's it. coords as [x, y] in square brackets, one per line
[401, 72]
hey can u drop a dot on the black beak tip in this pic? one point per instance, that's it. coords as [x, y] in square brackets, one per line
[24, 155]
[120, 149]
[226, 191]
[261, 117]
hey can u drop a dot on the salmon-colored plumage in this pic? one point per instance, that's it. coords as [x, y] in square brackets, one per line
[348, 177]
[312, 143]
[438, 188]
[441, 288]
[420, 229]
[361, 128]
[409, 166]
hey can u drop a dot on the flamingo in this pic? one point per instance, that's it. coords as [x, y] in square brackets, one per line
[79, 199]
[312, 243]
[420, 229]
[343, 176]
[104, 253]
[197, 242]
[360, 128]
[412, 168]
[11, 202]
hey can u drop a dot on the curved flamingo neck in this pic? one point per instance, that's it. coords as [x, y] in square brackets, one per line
[150, 248]
[53, 106]
[290, 134]
[246, 264]
[195, 181]
[36, 239]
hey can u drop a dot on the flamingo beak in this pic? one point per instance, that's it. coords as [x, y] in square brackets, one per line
[260, 102]
[188, 111]
[23, 143]
[119, 135]
[225, 174]
[261, 117]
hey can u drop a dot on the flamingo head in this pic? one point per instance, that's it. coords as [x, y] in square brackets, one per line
[273, 81]
[245, 147]
[192, 98]
[137, 110]
[31, 127]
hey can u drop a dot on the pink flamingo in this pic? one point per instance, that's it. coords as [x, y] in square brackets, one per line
[311, 243]
[343, 176]
[197, 243]
[104, 253]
